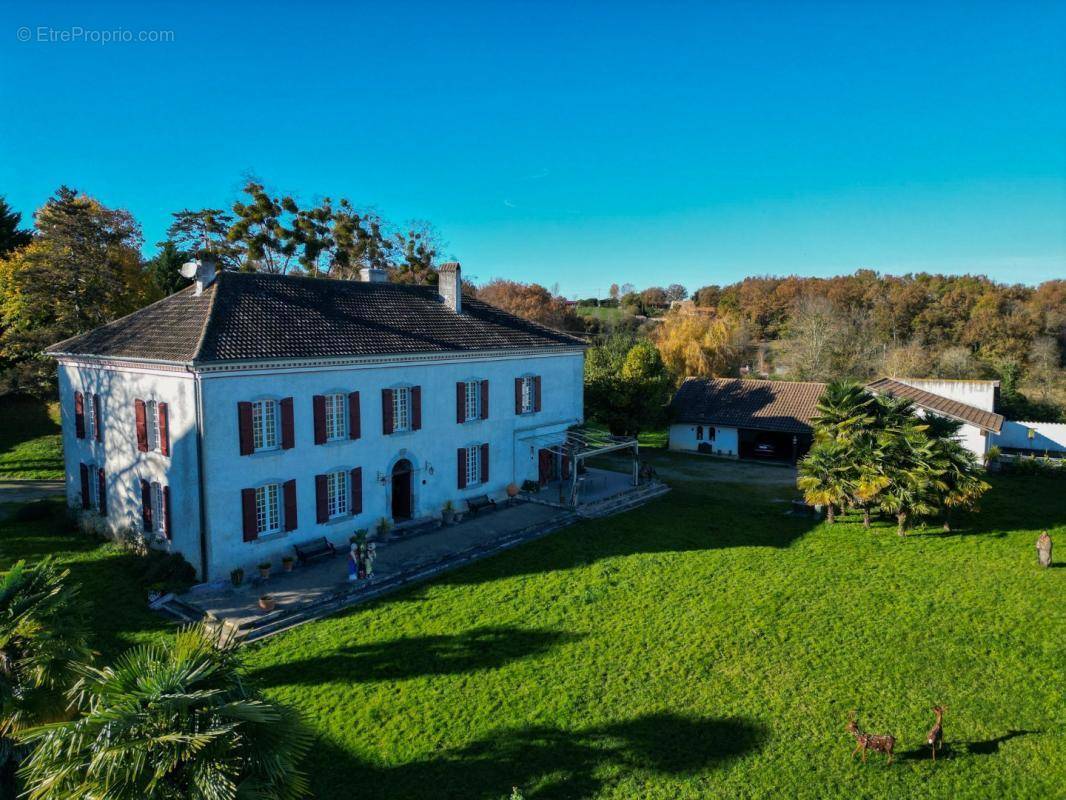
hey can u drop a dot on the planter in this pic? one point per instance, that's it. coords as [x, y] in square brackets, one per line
[448, 517]
[236, 576]
[264, 571]
[288, 563]
[512, 490]
[267, 603]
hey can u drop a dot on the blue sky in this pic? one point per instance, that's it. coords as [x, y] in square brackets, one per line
[572, 143]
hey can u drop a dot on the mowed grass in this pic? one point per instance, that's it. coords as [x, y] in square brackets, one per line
[706, 645]
[30, 443]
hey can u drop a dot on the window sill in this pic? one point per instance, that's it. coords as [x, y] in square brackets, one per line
[270, 537]
[338, 520]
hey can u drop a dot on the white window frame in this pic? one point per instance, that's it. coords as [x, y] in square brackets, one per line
[472, 400]
[89, 404]
[268, 509]
[529, 394]
[401, 409]
[336, 417]
[151, 413]
[266, 425]
[159, 521]
[473, 465]
[338, 495]
[94, 486]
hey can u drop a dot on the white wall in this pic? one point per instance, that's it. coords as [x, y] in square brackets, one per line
[124, 466]
[979, 394]
[432, 450]
[972, 437]
[1049, 436]
[725, 442]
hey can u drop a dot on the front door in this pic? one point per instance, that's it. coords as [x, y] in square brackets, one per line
[544, 466]
[401, 490]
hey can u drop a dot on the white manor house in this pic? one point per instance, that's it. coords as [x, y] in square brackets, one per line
[251, 412]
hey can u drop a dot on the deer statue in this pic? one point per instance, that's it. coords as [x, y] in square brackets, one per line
[935, 738]
[879, 743]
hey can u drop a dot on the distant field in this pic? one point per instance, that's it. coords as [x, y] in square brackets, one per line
[30, 444]
[605, 314]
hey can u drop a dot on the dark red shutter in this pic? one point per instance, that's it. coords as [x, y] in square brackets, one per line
[166, 514]
[251, 527]
[566, 467]
[355, 428]
[97, 433]
[101, 489]
[164, 430]
[140, 415]
[288, 428]
[79, 415]
[146, 505]
[460, 401]
[536, 393]
[290, 505]
[485, 399]
[244, 429]
[84, 469]
[318, 405]
[518, 395]
[416, 408]
[357, 490]
[485, 463]
[462, 467]
[321, 499]
[386, 411]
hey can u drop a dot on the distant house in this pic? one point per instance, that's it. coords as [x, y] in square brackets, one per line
[772, 419]
[251, 412]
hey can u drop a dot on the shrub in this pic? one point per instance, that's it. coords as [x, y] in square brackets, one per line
[169, 570]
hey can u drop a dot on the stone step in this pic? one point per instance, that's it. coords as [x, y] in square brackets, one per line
[623, 501]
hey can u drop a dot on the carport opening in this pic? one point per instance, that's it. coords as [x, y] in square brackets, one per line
[772, 445]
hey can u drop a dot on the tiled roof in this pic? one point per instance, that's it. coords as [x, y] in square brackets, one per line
[939, 404]
[784, 406]
[248, 316]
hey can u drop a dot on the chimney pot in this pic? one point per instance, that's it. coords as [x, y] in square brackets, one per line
[450, 286]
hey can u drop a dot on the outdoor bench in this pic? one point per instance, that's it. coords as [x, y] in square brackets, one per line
[475, 504]
[318, 548]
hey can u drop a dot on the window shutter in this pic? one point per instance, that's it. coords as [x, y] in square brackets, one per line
[166, 514]
[536, 393]
[355, 429]
[84, 469]
[97, 433]
[566, 467]
[460, 401]
[79, 415]
[290, 505]
[357, 490]
[164, 430]
[318, 406]
[288, 431]
[251, 527]
[146, 505]
[321, 499]
[386, 411]
[101, 490]
[485, 399]
[485, 463]
[244, 429]
[518, 395]
[462, 467]
[416, 408]
[140, 415]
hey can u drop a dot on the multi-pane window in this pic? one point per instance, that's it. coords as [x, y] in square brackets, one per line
[159, 523]
[528, 394]
[267, 509]
[473, 465]
[94, 485]
[473, 400]
[265, 425]
[336, 417]
[152, 420]
[401, 409]
[90, 415]
[337, 493]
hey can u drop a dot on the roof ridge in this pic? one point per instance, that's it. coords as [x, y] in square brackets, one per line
[208, 317]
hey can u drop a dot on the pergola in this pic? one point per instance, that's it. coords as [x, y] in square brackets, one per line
[583, 442]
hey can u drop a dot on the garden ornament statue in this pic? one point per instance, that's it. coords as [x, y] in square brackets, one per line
[1043, 549]
[879, 743]
[353, 562]
[935, 737]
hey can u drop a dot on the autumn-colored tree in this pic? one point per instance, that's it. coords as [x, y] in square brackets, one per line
[530, 301]
[700, 345]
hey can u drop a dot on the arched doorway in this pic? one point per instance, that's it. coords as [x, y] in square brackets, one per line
[401, 490]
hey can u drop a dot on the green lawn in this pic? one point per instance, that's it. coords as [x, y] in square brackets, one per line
[703, 646]
[30, 445]
[605, 314]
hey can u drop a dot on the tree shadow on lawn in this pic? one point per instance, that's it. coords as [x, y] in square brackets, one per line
[985, 747]
[417, 656]
[546, 763]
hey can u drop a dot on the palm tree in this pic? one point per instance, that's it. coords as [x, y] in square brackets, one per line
[959, 469]
[41, 639]
[823, 477]
[172, 719]
[867, 478]
[909, 462]
[845, 409]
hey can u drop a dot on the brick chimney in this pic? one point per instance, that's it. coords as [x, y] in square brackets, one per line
[450, 286]
[373, 275]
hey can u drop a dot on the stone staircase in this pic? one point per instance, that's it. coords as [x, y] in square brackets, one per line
[623, 501]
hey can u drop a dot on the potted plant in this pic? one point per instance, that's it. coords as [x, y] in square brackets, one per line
[383, 527]
[236, 576]
[267, 603]
[359, 537]
[447, 514]
[264, 569]
[287, 563]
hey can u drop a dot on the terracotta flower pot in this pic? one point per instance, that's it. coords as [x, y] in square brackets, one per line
[512, 490]
[267, 603]
[288, 565]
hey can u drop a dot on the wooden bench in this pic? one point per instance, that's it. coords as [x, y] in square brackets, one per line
[319, 548]
[475, 504]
